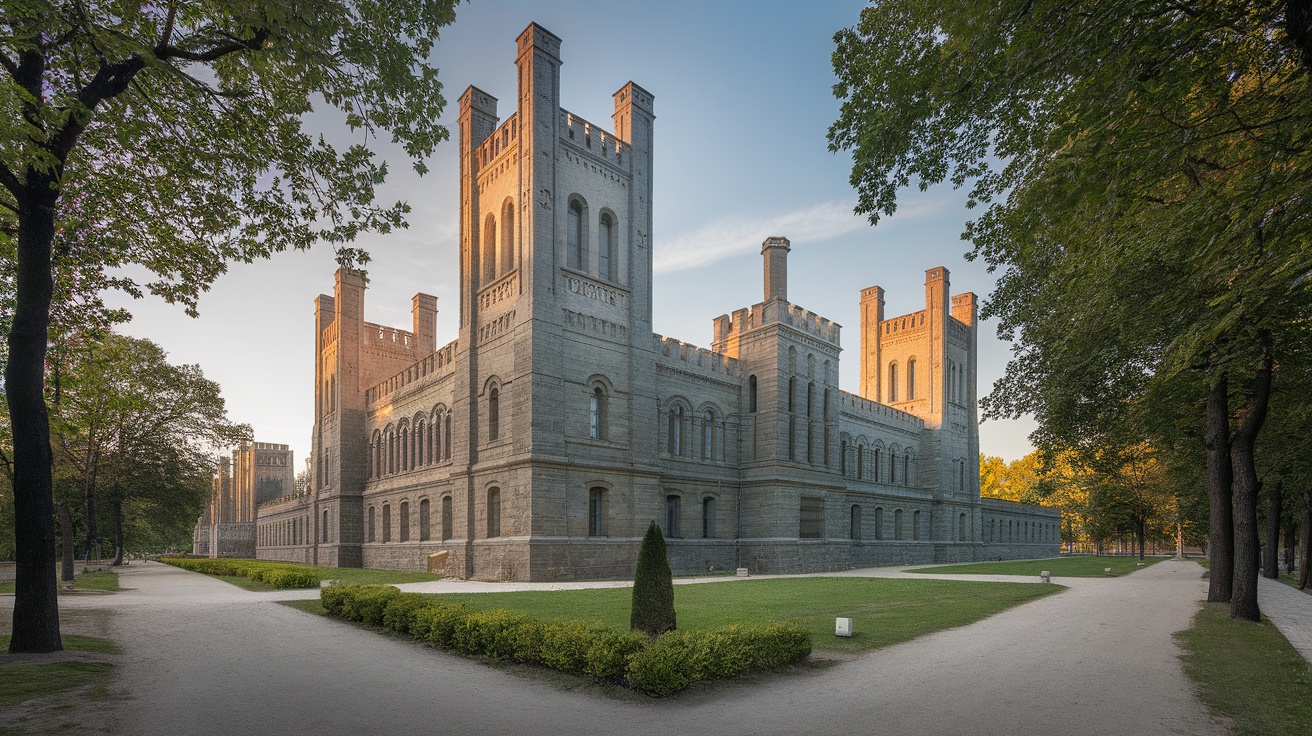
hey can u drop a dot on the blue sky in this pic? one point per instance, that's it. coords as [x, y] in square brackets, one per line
[743, 99]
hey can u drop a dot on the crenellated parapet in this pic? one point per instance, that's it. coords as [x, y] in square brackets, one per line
[593, 139]
[436, 366]
[686, 356]
[776, 312]
[875, 411]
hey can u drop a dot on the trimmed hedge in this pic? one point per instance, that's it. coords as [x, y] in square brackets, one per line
[659, 667]
[275, 574]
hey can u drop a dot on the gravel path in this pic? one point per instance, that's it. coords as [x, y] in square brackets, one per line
[204, 657]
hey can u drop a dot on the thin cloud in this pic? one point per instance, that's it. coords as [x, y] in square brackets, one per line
[728, 237]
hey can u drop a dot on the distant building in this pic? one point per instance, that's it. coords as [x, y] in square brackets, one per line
[540, 443]
[256, 473]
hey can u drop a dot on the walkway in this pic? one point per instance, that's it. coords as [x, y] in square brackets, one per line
[1290, 609]
[204, 657]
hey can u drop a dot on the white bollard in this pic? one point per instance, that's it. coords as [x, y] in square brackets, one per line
[1045, 576]
[843, 627]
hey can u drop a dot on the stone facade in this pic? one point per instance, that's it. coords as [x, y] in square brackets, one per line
[541, 442]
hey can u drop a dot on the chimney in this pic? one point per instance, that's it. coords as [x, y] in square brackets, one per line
[775, 251]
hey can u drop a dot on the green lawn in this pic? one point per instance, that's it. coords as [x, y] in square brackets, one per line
[885, 611]
[22, 682]
[1069, 567]
[1248, 673]
[81, 581]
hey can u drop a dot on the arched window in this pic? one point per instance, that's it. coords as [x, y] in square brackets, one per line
[489, 249]
[597, 512]
[708, 517]
[371, 536]
[422, 457]
[897, 523]
[446, 434]
[676, 431]
[751, 394]
[906, 469]
[892, 382]
[507, 260]
[708, 435]
[424, 526]
[915, 525]
[911, 379]
[387, 523]
[437, 436]
[879, 522]
[493, 414]
[596, 414]
[493, 512]
[405, 449]
[574, 256]
[606, 248]
[861, 462]
[855, 522]
[446, 518]
[325, 525]
[892, 467]
[403, 522]
[842, 457]
[672, 516]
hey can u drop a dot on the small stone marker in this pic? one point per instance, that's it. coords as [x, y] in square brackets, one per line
[437, 561]
[1045, 576]
[742, 572]
[1106, 569]
[1140, 564]
[842, 627]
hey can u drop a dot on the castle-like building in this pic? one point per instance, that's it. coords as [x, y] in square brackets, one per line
[541, 443]
[258, 472]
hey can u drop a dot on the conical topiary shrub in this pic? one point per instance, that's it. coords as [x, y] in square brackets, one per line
[653, 590]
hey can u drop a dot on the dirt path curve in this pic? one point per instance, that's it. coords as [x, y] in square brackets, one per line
[203, 657]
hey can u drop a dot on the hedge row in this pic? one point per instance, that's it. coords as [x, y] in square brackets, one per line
[658, 667]
[276, 574]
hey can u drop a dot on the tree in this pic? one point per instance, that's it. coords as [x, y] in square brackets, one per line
[1144, 172]
[653, 587]
[173, 133]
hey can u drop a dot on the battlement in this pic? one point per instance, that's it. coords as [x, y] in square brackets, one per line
[291, 501]
[777, 311]
[388, 339]
[439, 364]
[592, 138]
[688, 355]
[873, 410]
[270, 446]
[500, 140]
[906, 323]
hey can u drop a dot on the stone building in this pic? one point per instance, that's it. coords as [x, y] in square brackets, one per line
[256, 473]
[541, 442]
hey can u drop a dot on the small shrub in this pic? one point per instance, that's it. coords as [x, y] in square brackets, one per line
[367, 603]
[610, 651]
[498, 634]
[437, 623]
[677, 659]
[400, 611]
[653, 588]
[659, 670]
[290, 578]
[565, 646]
[334, 597]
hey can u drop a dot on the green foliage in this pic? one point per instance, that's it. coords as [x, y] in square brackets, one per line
[653, 587]
[1247, 672]
[676, 659]
[270, 573]
[659, 666]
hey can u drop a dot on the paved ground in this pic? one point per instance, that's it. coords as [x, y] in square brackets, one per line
[204, 657]
[1290, 609]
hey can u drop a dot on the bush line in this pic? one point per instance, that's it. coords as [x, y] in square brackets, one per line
[659, 667]
[275, 574]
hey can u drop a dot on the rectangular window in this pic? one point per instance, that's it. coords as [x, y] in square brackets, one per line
[812, 513]
[493, 512]
[708, 518]
[672, 516]
[423, 521]
[387, 523]
[597, 512]
[446, 518]
[404, 522]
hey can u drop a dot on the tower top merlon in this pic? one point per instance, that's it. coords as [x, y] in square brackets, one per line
[350, 276]
[874, 292]
[775, 250]
[937, 273]
[537, 37]
[479, 101]
[634, 95]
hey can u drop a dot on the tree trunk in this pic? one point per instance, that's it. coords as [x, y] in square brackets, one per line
[1243, 598]
[1271, 562]
[1141, 531]
[1291, 543]
[66, 544]
[1305, 564]
[36, 591]
[1220, 476]
[117, 505]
